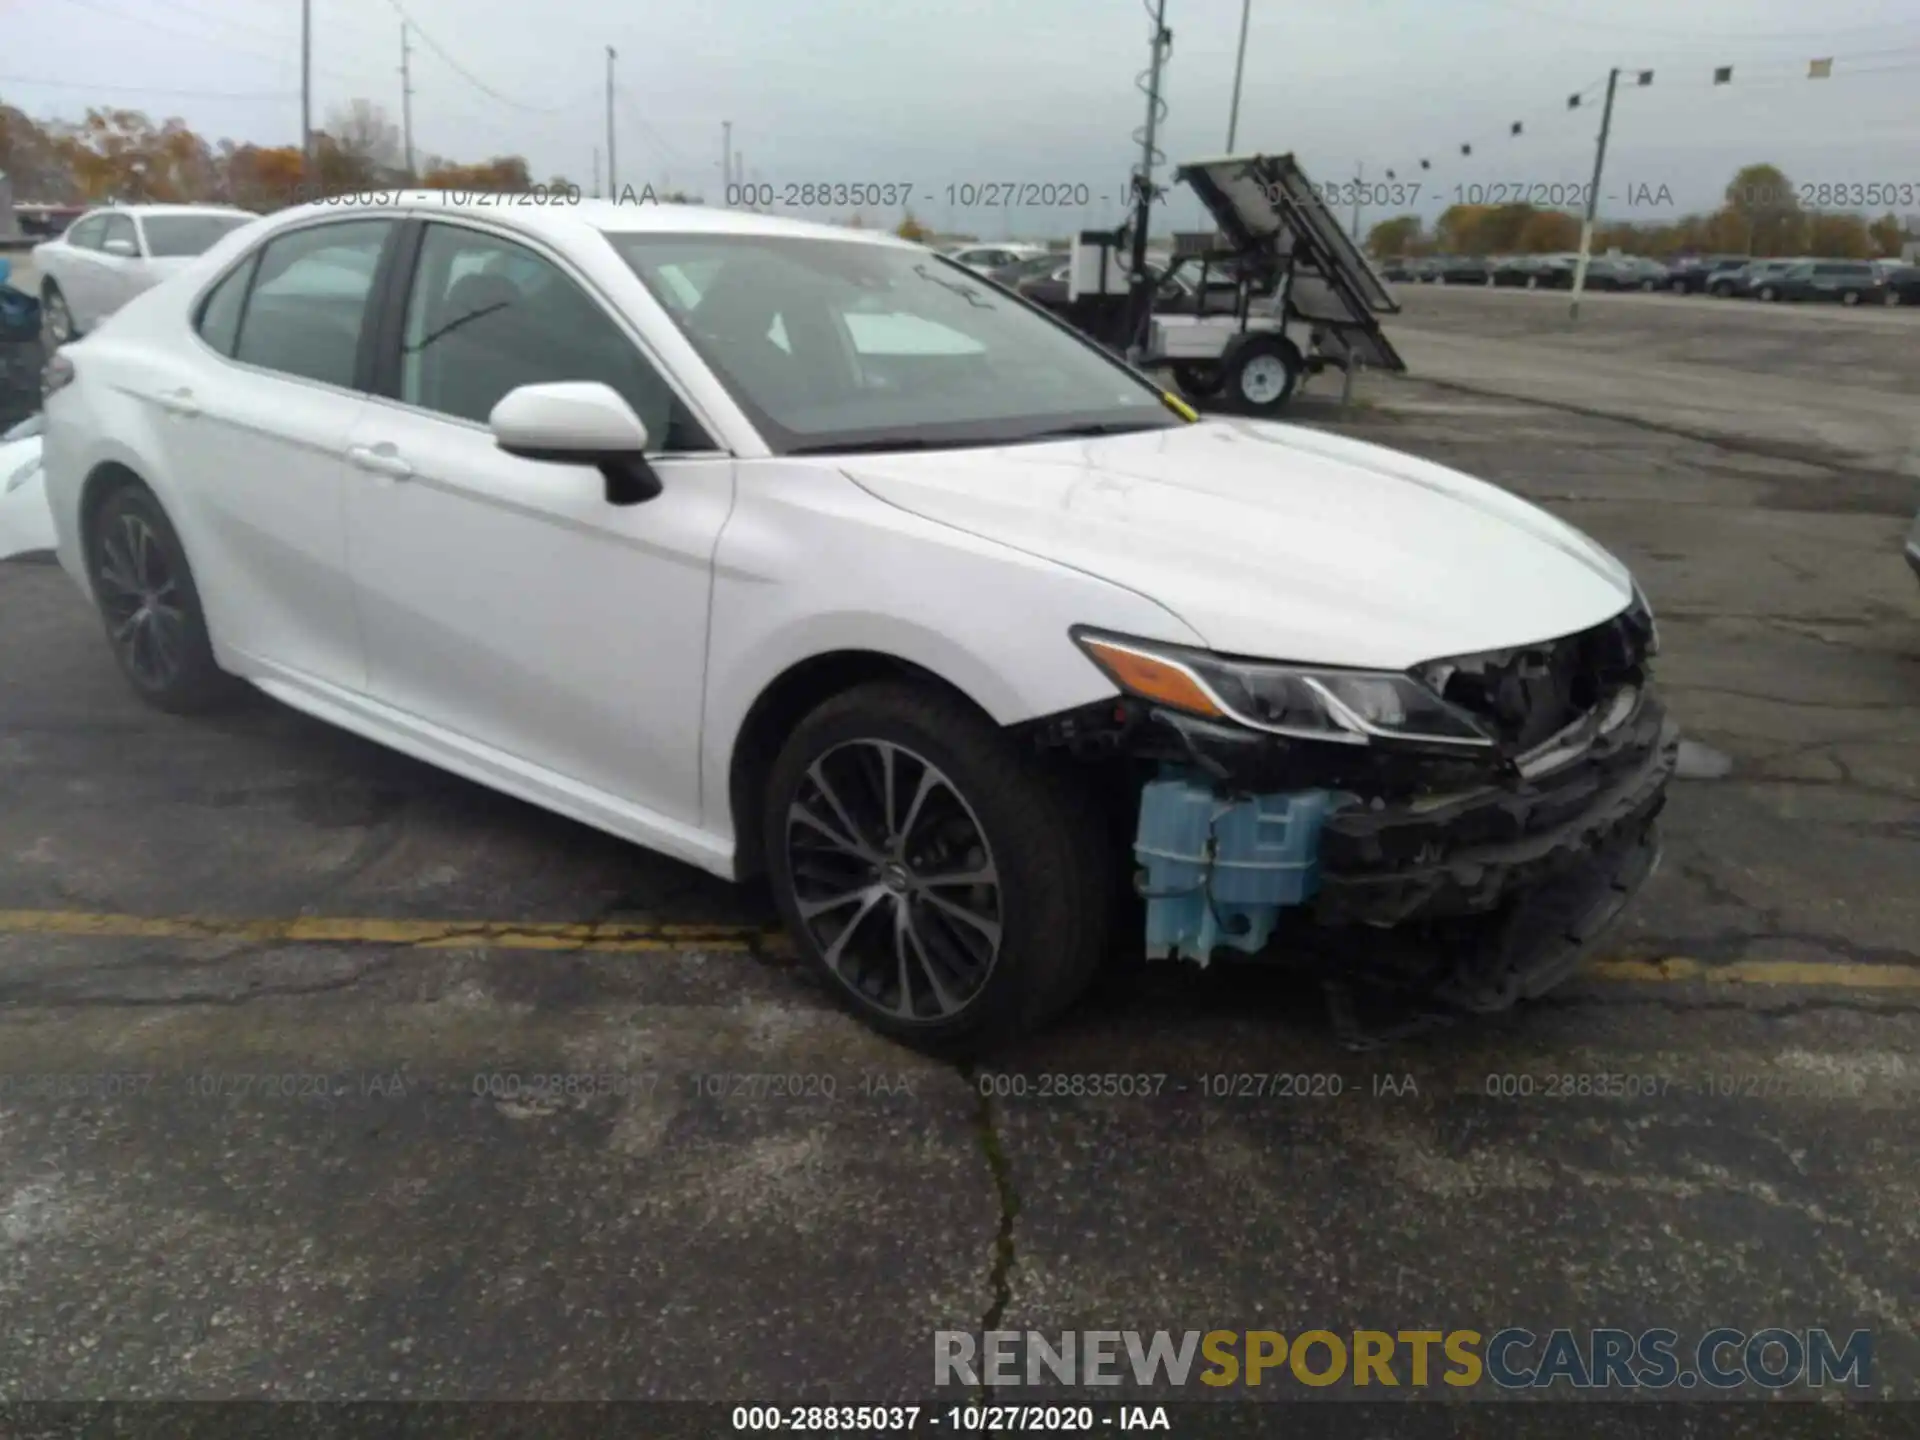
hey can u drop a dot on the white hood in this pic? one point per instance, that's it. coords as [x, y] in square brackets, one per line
[1275, 541]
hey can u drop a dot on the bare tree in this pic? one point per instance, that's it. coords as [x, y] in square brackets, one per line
[366, 143]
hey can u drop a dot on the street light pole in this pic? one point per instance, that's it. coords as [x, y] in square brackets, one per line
[1593, 196]
[306, 90]
[1239, 64]
[613, 188]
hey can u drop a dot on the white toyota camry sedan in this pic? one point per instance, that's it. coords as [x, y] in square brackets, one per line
[804, 552]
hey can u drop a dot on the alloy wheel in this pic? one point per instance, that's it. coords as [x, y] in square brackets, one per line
[59, 320]
[141, 598]
[894, 880]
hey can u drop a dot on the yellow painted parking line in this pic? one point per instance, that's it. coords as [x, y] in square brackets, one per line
[1678, 969]
[642, 939]
[422, 934]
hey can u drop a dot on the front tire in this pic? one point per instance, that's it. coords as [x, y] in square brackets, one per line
[951, 890]
[56, 316]
[151, 609]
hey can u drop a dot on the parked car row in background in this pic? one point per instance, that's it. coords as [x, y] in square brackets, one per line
[1802, 277]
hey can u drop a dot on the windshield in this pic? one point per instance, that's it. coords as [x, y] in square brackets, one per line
[170, 235]
[837, 344]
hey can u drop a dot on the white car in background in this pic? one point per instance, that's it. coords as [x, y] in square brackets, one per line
[983, 259]
[26, 524]
[804, 552]
[108, 256]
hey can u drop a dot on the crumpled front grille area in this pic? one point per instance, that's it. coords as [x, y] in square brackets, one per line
[1528, 694]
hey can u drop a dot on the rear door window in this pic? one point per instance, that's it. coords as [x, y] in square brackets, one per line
[309, 302]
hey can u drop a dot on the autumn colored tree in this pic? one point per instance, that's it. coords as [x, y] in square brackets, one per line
[259, 178]
[500, 174]
[1842, 236]
[1764, 200]
[1887, 235]
[122, 155]
[31, 157]
[1392, 238]
[1548, 232]
[911, 229]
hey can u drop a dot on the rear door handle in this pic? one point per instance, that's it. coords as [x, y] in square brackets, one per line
[381, 459]
[180, 402]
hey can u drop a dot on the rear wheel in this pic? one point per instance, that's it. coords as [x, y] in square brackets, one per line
[56, 317]
[1198, 379]
[1893, 297]
[951, 890]
[151, 609]
[1849, 297]
[1262, 374]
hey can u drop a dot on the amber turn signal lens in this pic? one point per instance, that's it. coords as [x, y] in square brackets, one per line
[1151, 678]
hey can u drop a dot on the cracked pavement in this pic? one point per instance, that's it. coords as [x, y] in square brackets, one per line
[261, 1162]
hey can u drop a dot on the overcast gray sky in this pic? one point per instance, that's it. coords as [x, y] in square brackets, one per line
[934, 95]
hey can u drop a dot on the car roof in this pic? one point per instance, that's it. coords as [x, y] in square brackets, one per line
[572, 221]
[145, 210]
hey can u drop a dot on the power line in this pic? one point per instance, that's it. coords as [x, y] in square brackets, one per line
[201, 37]
[465, 74]
[276, 95]
[1826, 32]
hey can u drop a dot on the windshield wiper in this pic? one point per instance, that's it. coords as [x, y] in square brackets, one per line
[1098, 427]
[860, 447]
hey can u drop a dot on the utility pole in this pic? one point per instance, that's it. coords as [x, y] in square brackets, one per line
[1140, 283]
[613, 186]
[596, 172]
[1239, 63]
[1593, 197]
[726, 161]
[306, 91]
[1359, 182]
[406, 99]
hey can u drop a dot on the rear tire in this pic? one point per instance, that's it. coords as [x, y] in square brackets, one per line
[1261, 375]
[56, 317]
[147, 600]
[1849, 297]
[955, 968]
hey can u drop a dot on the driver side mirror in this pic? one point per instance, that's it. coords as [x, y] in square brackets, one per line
[579, 422]
[126, 249]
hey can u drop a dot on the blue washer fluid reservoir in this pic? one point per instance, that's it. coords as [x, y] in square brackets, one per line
[1216, 870]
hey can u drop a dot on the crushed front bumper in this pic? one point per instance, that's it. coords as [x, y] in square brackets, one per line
[1481, 887]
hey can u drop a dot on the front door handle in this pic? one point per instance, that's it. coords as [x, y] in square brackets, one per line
[180, 402]
[382, 459]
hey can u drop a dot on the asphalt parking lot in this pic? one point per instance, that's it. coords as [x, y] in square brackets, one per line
[265, 991]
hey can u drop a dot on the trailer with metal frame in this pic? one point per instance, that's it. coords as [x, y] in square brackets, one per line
[1279, 249]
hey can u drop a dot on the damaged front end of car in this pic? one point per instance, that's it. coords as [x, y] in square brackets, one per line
[1474, 823]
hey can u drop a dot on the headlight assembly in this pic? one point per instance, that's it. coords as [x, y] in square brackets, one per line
[1349, 707]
